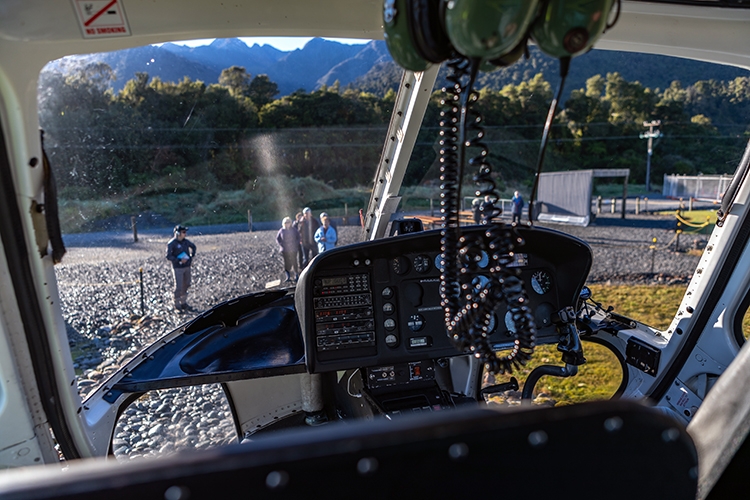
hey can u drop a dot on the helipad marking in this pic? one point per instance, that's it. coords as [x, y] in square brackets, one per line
[101, 18]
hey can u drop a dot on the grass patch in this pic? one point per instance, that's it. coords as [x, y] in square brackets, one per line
[267, 198]
[653, 305]
[694, 221]
[601, 376]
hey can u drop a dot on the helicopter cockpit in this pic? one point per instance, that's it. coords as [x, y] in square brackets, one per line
[375, 373]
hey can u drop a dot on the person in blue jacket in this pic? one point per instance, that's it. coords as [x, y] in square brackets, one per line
[326, 235]
[517, 208]
[180, 252]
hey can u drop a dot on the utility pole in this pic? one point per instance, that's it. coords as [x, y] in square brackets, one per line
[650, 135]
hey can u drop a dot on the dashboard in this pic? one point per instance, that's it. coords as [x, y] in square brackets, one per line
[377, 304]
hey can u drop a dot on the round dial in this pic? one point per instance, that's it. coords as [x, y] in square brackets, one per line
[479, 282]
[509, 323]
[492, 324]
[416, 322]
[484, 260]
[400, 265]
[541, 282]
[439, 262]
[422, 263]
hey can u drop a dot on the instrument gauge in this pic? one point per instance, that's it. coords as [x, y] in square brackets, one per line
[492, 324]
[439, 262]
[509, 323]
[422, 263]
[484, 260]
[541, 282]
[400, 265]
[479, 282]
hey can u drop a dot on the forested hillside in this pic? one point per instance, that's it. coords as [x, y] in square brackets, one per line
[189, 136]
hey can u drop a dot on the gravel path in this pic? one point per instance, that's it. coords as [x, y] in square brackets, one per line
[101, 302]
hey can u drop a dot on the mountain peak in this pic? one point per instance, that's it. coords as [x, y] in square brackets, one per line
[228, 44]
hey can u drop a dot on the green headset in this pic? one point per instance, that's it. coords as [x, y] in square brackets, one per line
[420, 33]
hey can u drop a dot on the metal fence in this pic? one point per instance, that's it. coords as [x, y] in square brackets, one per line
[701, 187]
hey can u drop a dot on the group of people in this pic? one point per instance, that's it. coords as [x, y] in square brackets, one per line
[299, 241]
[481, 208]
[304, 238]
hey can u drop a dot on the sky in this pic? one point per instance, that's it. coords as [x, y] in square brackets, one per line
[285, 44]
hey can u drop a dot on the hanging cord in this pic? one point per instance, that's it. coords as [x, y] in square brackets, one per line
[564, 66]
[468, 324]
[617, 16]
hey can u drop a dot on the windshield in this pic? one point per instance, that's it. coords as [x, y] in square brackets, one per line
[224, 140]
[188, 176]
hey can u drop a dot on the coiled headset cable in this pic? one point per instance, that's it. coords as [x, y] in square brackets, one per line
[469, 308]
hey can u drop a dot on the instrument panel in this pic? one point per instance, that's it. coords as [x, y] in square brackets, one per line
[378, 303]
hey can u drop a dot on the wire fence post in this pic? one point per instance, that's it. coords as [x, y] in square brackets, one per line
[653, 254]
[598, 205]
[249, 221]
[637, 205]
[143, 301]
[135, 228]
[614, 203]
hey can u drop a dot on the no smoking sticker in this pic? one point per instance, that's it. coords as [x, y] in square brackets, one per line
[101, 18]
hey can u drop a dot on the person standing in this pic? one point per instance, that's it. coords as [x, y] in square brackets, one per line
[486, 209]
[475, 210]
[307, 236]
[297, 224]
[332, 224]
[180, 252]
[288, 240]
[326, 235]
[517, 208]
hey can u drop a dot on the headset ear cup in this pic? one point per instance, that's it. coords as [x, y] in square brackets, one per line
[398, 36]
[427, 30]
[568, 28]
[488, 29]
[512, 56]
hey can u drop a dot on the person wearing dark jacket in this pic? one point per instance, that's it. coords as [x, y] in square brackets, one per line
[180, 252]
[299, 219]
[307, 230]
[288, 241]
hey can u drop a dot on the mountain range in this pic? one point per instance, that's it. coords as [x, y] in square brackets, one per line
[369, 67]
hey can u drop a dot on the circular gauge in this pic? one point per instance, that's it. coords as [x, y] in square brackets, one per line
[492, 324]
[422, 263]
[479, 282]
[541, 282]
[509, 323]
[484, 260]
[400, 265]
[439, 262]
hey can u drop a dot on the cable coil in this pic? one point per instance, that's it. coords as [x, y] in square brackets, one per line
[469, 307]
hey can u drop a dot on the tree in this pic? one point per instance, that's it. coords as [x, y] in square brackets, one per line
[236, 79]
[262, 90]
[630, 103]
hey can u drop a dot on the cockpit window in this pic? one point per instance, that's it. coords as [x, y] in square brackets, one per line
[149, 141]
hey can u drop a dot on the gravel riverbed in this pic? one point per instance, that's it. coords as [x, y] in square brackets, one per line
[109, 320]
